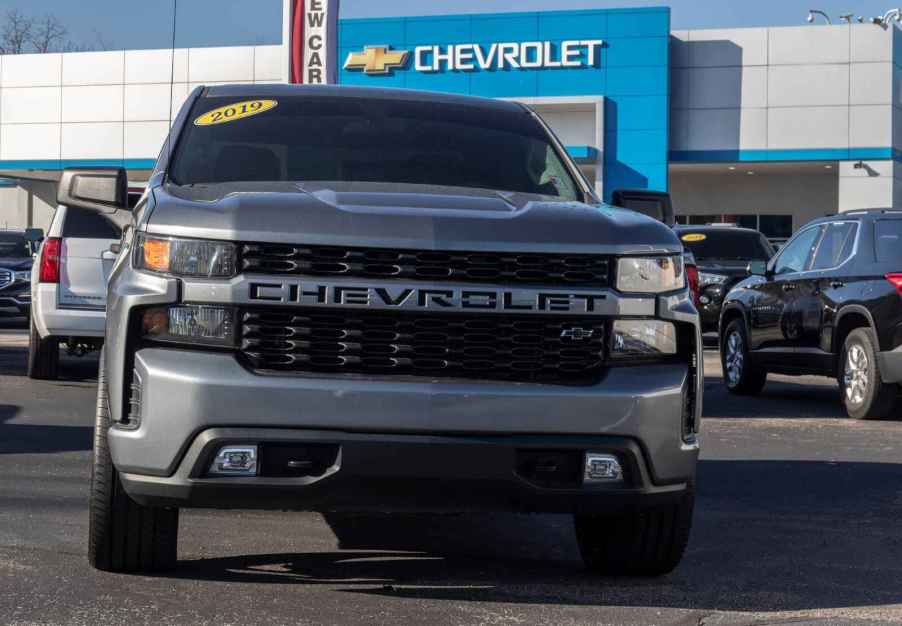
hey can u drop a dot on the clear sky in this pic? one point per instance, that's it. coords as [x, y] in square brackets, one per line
[146, 23]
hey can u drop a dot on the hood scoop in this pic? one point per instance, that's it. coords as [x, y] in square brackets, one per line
[419, 199]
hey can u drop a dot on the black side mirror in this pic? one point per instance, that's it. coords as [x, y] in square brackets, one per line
[34, 235]
[100, 189]
[757, 268]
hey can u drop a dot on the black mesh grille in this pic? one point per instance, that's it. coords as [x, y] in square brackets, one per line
[486, 347]
[572, 270]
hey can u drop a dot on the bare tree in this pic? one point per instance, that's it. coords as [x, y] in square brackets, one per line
[71, 46]
[101, 41]
[16, 33]
[20, 33]
[48, 34]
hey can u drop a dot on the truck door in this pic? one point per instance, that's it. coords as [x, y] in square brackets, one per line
[86, 260]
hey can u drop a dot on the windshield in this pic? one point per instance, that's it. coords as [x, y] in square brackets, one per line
[326, 139]
[14, 246]
[727, 245]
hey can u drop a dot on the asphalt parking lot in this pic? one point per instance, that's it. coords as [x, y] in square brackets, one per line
[798, 520]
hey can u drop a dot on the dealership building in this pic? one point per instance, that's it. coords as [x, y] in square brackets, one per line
[766, 127]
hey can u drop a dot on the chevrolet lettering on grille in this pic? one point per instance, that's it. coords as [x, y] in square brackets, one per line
[451, 299]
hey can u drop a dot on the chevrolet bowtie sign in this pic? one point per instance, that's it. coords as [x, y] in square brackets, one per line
[376, 60]
[470, 57]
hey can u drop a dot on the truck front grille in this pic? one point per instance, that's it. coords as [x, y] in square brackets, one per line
[549, 270]
[6, 278]
[484, 347]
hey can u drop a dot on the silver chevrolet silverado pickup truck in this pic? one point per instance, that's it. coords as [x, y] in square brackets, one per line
[363, 300]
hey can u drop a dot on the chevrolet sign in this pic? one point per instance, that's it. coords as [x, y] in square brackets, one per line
[448, 299]
[469, 57]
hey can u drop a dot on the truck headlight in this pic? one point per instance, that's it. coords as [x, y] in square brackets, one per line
[185, 257]
[24, 276]
[650, 274]
[643, 338]
[205, 325]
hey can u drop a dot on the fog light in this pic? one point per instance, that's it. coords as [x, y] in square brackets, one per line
[602, 468]
[235, 461]
[207, 325]
[643, 338]
[705, 300]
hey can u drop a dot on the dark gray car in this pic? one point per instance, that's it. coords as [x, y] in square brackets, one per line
[346, 300]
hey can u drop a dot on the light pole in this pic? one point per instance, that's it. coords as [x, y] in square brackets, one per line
[813, 13]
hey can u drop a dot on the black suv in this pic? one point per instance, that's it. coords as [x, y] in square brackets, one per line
[722, 253]
[830, 303]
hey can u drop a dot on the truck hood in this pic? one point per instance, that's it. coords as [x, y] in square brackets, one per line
[401, 216]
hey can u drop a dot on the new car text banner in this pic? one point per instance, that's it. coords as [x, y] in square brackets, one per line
[313, 40]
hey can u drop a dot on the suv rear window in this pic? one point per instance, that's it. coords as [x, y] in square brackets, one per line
[889, 241]
[727, 245]
[82, 224]
[328, 139]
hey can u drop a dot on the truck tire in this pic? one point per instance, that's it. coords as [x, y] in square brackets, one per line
[43, 355]
[123, 535]
[639, 543]
[864, 393]
[740, 375]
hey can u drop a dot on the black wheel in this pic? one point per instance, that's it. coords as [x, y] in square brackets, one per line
[640, 543]
[123, 535]
[740, 375]
[864, 393]
[43, 355]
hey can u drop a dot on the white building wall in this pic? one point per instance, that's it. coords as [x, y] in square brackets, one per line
[806, 93]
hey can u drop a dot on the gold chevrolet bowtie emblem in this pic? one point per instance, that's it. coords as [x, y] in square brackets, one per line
[376, 60]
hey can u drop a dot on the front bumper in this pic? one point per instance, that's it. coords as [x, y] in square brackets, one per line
[891, 365]
[183, 393]
[709, 315]
[405, 473]
[15, 300]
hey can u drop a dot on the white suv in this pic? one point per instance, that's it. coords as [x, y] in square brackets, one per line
[69, 283]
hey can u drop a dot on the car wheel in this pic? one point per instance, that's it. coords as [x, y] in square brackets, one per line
[740, 375]
[123, 535]
[864, 393]
[43, 355]
[640, 543]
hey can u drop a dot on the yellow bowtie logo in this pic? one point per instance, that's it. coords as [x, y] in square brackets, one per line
[377, 60]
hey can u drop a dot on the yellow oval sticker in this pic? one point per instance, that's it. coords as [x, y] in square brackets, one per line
[693, 237]
[237, 111]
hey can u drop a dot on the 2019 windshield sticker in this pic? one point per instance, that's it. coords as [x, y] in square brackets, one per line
[236, 111]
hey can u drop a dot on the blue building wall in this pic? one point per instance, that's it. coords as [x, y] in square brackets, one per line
[633, 72]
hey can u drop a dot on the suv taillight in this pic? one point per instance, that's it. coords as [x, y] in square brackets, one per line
[896, 279]
[50, 260]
